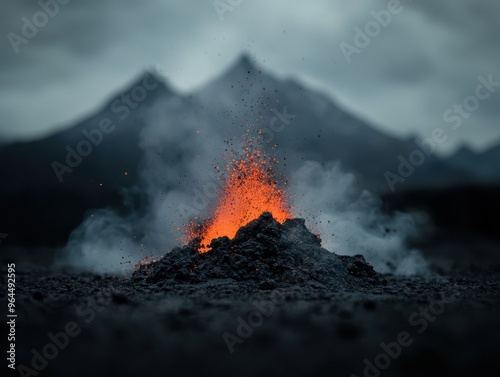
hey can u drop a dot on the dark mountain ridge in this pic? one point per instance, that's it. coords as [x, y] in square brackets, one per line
[49, 184]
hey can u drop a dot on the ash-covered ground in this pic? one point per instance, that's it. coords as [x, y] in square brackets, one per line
[269, 302]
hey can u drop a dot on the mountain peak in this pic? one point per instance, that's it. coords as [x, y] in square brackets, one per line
[153, 83]
[244, 64]
[150, 77]
[464, 151]
[243, 70]
[245, 61]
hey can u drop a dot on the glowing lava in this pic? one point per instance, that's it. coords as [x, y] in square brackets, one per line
[250, 189]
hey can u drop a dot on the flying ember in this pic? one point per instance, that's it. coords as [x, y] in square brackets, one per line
[251, 188]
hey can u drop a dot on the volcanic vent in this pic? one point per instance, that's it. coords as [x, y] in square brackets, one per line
[253, 237]
[265, 252]
[250, 189]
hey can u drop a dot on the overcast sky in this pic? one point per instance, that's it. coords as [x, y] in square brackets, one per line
[428, 57]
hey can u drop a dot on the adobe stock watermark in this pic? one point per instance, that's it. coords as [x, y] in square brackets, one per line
[32, 25]
[245, 327]
[419, 321]
[202, 199]
[121, 108]
[454, 117]
[223, 6]
[363, 37]
[57, 342]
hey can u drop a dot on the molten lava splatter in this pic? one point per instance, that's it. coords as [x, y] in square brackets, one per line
[250, 189]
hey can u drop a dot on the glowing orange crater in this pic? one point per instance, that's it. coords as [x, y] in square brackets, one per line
[250, 189]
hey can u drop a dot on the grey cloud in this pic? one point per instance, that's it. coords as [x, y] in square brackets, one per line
[427, 58]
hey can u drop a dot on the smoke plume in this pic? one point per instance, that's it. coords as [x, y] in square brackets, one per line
[184, 144]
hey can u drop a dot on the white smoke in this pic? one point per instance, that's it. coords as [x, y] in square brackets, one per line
[104, 242]
[350, 221]
[173, 178]
[182, 144]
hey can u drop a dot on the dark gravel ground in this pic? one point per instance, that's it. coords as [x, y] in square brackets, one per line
[248, 322]
[310, 328]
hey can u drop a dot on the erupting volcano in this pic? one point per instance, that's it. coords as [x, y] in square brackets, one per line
[252, 237]
[263, 252]
[251, 189]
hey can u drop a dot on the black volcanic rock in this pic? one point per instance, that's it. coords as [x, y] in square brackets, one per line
[265, 252]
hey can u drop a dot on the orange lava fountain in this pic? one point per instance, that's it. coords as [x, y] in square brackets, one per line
[250, 189]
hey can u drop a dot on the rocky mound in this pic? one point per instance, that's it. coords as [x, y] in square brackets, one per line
[265, 252]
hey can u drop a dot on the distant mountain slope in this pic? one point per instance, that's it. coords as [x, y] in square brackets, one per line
[319, 130]
[38, 204]
[484, 166]
[43, 195]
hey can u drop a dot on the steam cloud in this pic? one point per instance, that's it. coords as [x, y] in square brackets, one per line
[350, 221]
[175, 168]
[182, 144]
